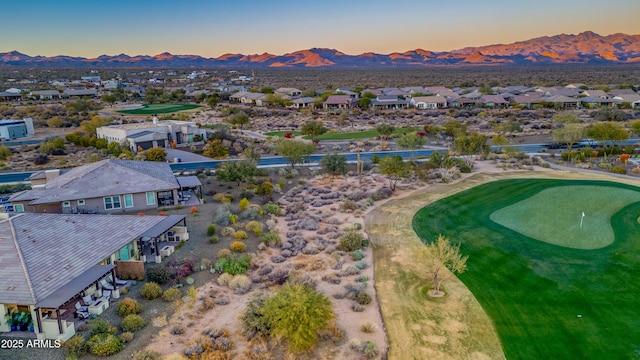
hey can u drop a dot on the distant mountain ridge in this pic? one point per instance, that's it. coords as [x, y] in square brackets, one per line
[584, 48]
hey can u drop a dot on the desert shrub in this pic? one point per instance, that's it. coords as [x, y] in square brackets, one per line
[214, 239]
[147, 355]
[271, 208]
[194, 351]
[132, 323]
[228, 231]
[126, 337]
[76, 346]
[101, 326]
[151, 291]
[124, 291]
[223, 198]
[171, 294]
[358, 308]
[221, 215]
[240, 235]
[351, 241]
[129, 306]
[238, 246]
[635, 171]
[302, 278]
[224, 279]
[233, 264]
[233, 218]
[362, 264]
[368, 327]
[253, 321]
[350, 270]
[159, 275]
[159, 321]
[618, 170]
[211, 230]
[357, 255]
[465, 169]
[105, 344]
[177, 330]
[271, 238]
[369, 349]
[223, 253]
[255, 227]
[244, 204]
[362, 279]
[240, 283]
[298, 313]
[363, 298]
[348, 205]
[357, 226]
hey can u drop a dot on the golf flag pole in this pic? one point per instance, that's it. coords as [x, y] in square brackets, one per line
[582, 218]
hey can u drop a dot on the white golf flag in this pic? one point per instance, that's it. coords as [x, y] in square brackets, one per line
[583, 214]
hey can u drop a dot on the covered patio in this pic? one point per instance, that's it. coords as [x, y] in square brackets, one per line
[161, 239]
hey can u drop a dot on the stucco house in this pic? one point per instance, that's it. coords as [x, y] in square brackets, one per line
[48, 262]
[388, 102]
[338, 102]
[429, 102]
[14, 128]
[105, 187]
[147, 135]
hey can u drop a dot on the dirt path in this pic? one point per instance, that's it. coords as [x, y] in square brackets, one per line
[418, 327]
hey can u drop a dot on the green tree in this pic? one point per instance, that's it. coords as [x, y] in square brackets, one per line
[266, 90]
[90, 126]
[51, 145]
[109, 99]
[385, 130]
[309, 93]
[5, 152]
[610, 114]
[411, 141]
[334, 164]
[395, 169]
[295, 151]
[566, 117]
[55, 122]
[635, 127]
[251, 154]
[297, 313]
[213, 100]
[470, 146]
[215, 149]
[441, 255]
[314, 129]
[156, 154]
[365, 100]
[239, 119]
[607, 133]
[275, 99]
[236, 171]
[454, 128]
[114, 148]
[569, 134]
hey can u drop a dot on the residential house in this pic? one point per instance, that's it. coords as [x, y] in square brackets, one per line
[629, 100]
[7, 96]
[597, 102]
[429, 102]
[529, 100]
[79, 92]
[596, 93]
[49, 261]
[105, 187]
[237, 97]
[338, 102]
[493, 101]
[303, 102]
[91, 79]
[147, 135]
[14, 129]
[290, 92]
[45, 94]
[388, 102]
[561, 101]
[618, 92]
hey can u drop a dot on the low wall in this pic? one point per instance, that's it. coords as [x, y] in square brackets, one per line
[129, 269]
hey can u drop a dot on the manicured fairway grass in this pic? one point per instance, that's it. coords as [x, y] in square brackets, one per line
[150, 109]
[343, 136]
[548, 301]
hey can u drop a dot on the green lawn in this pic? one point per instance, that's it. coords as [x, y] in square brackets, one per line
[343, 136]
[150, 109]
[548, 301]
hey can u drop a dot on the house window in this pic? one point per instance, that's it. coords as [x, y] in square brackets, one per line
[81, 202]
[66, 204]
[18, 208]
[112, 202]
[128, 200]
[151, 198]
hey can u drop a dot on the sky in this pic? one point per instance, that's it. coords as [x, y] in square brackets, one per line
[211, 28]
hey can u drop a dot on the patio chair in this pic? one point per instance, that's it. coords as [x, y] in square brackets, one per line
[87, 300]
[82, 311]
[118, 282]
[106, 295]
[105, 286]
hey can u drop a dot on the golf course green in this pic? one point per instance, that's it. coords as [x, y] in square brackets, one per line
[151, 109]
[553, 288]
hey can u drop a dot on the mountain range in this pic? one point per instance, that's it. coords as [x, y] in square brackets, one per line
[584, 48]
